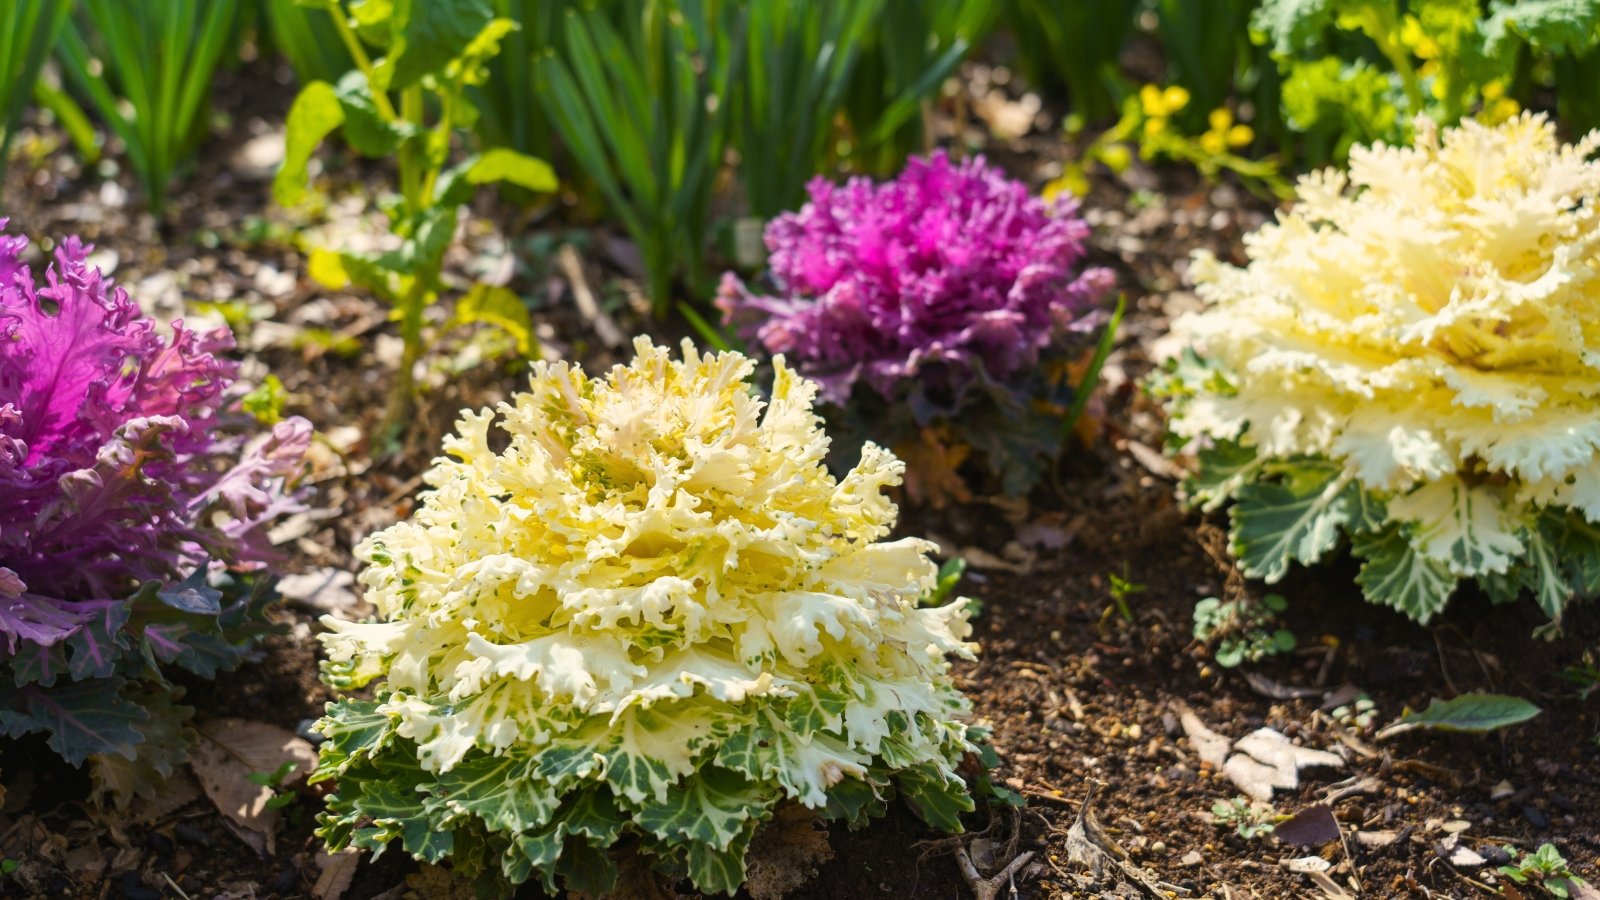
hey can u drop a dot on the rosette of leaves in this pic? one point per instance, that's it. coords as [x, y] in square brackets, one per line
[634, 615]
[136, 502]
[948, 301]
[1409, 365]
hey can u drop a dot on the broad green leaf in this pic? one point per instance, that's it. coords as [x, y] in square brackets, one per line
[1297, 519]
[720, 870]
[315, 114]
[1469, 713]
[353, 729]
[166, 743]
[495, 166]
[1224, 468]
[502, 791]
[1469, 529]
[1395, 575]
[1551, 26]
[500, 307]
[80, 720]
[366, 129]
[1548, 579]
[938, 798]
[1292, 26]
[431, 34]
[855, 801]
[711, 807]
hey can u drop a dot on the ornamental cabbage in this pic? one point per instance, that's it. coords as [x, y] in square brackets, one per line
[1411, 361]
[130, 493]
[946, 293]
[636, 614]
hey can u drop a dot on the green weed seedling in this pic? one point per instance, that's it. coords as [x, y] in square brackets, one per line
[1239, 629]
[1544, 868]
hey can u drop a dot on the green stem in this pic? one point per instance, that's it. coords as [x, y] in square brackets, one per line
[1381, 25]
[397, 411]
[358, 53]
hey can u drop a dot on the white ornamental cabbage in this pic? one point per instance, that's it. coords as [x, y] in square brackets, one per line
[637, 611]
[1411, 361]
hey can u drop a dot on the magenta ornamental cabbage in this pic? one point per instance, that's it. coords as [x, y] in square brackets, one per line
[133, 495]
[945, 292]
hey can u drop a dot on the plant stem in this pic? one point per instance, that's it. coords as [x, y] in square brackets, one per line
[397, 411]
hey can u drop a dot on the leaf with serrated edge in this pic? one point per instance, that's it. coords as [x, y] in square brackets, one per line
[1297, 519]
[1395, 575]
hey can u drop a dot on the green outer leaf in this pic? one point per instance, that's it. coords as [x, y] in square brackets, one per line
[502, 791]
[1297, 519]
[1395, 575]
[1467, 713]
[712, 807]
[315, 114]
[938, 798]
[83, 719]
[1552, 26]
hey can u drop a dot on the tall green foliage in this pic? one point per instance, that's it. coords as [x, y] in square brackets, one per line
[28, 31]
[308, 38]
[1075, 45]
[512, 113]
[146, 68]
[802, 56]
[639, 96]
[916, 45]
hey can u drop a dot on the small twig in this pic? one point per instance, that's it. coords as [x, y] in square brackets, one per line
[604, 326]
[989, 888]
[174, 885]
[1041, 795]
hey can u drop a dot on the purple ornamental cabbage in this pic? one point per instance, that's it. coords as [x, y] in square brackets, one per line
[950, 277]
[126, 480]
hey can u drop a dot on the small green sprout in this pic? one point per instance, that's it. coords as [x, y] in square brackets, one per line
[274, 780]
[1359, 713]
[1545, 868]
[1249, 820]
[1239, 629]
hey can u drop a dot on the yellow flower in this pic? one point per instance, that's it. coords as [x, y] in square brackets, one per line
[1413, 38]
[1158, 103]
[1154, 127]
[1240, 135]
[1220, 119]
[1214, 142]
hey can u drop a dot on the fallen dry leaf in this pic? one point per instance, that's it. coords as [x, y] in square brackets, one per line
[326, 590]
[228, 752]
[338, 870]
[1271, 762]
[1310, 827]
[1305, 865]
[1212, 748]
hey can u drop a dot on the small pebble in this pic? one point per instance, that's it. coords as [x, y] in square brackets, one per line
[1158, 847]
[1192, 858]
[1535, 817]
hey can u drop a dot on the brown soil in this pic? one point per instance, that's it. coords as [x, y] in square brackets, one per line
[1075, 693]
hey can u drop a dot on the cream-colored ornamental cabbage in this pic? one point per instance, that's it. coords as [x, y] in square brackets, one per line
[1411, 359]
[639, 609]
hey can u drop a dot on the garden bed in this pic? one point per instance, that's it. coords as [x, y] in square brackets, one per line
[1078, 691]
